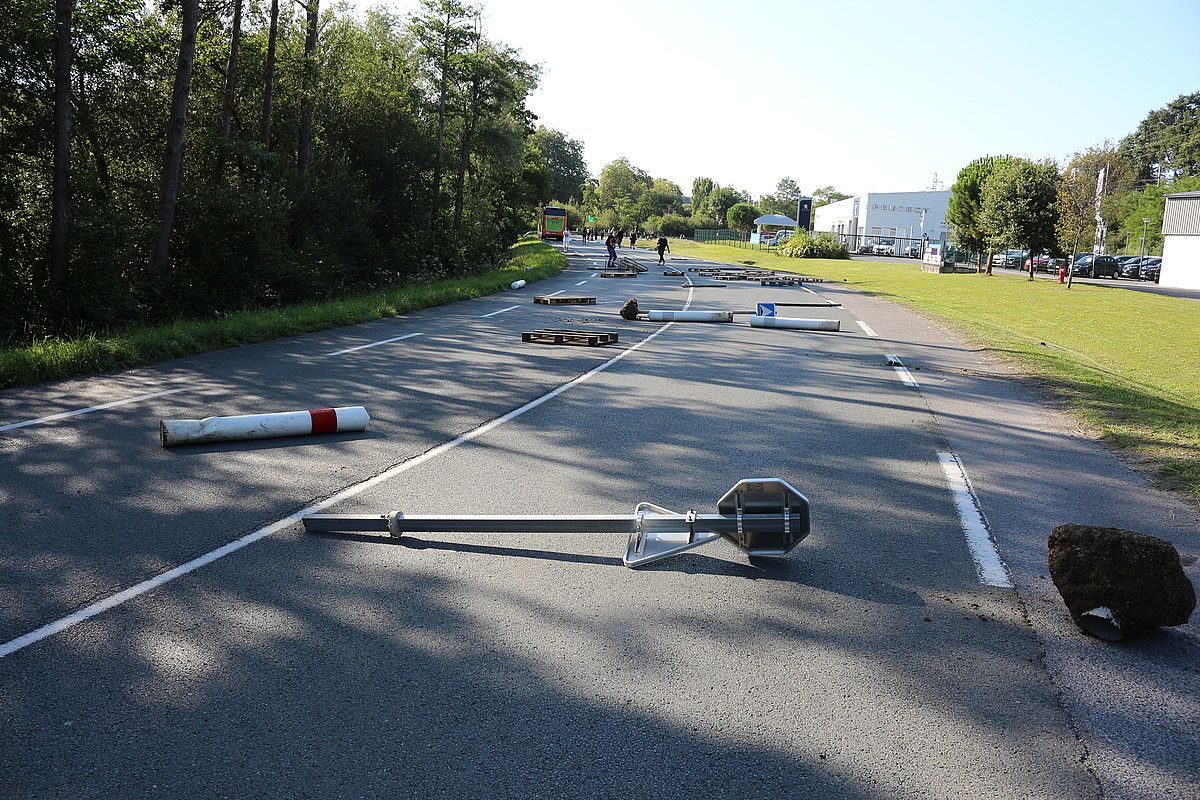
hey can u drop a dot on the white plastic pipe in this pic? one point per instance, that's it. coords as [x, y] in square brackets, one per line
[263, 426]
[690, 316]
[518, 284]
[794, 322]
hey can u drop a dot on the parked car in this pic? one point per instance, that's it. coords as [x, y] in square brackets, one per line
[768, 239]
[1151, 266]
[1129, 268]
[1043, 263]
[1095, 267]
[783, 236]
[1013, 258]
[885, 247]
[866, 247]
[912, 250]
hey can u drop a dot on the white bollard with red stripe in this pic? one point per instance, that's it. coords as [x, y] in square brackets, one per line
[263, 426]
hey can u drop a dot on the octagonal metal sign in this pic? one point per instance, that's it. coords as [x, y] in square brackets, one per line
[772, 516]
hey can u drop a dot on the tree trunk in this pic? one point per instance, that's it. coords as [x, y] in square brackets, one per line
[87, 127]
[173, 161]
[1071, 259]
[464, 156]
[310, 86]
[441, 130]
[269, 79]
[989, 261]
[60, 224]
[230, 89]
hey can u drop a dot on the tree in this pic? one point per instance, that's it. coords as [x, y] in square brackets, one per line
[173, 160]
[308, 89]
[1166, 144]
[701, 189]
[741, 216]
[1077, 200]
[564, 157]
[269, 77]
[61, 211]
[1132, 207]
[229, 98]
[1020, 206]
[963, 213]
[824, 195]
[720, 200]
[621, 188]
[783, 201]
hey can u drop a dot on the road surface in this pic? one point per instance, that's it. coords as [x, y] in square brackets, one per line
[172, 631]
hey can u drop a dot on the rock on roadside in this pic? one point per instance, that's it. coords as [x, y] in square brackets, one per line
[1117, 582]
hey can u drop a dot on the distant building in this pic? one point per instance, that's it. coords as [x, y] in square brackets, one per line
[886, 215]
[1181, 241]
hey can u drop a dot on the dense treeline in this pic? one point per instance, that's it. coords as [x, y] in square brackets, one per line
[1001, 202]
[209, 156]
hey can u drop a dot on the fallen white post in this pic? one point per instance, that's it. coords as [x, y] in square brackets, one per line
[518, 285]
[263, 426]
[690, 316]
[797, 323]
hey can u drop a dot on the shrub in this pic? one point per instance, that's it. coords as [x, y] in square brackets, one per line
[802, 245]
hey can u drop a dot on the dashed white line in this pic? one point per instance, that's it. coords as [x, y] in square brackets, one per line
[866, 328]
[373, 344]
[555, 294]
[99, 607]
[54, 417]
[810, 291]
[895, 363]
[581, 283]
[501, 311]
[988, 563]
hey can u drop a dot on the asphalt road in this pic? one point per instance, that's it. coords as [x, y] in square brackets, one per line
[872, 662]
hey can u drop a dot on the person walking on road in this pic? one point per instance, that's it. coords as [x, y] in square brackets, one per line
[663, 247]
[633, 238]
[621, 237]
[611, 244]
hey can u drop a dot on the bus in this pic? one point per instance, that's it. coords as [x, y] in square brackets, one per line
[552, 222]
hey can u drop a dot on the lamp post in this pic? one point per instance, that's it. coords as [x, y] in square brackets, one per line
[1142, 254]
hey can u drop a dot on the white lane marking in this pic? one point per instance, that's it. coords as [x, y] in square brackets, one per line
[810, 291]
[581, 283]
[99, 607]
[866, 328]
[895, 363]
[988, 563]
[594, 274]
[373, 344]
[501, 311]
[12, 426]
[556, 294]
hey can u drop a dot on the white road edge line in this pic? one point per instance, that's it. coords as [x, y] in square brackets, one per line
[501, 311]
[53, 417]
[810, 291]
[988, 563]
[895, 363]
[866, 328]
[373, 344]
[112, 601]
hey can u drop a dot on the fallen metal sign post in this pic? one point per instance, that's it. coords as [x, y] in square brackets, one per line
[765, 517]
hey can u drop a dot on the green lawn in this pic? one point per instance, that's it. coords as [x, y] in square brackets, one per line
[54, 359]
[1127, 362]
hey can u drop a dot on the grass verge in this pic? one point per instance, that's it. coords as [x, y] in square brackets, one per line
[1127, 362]
[55, 359]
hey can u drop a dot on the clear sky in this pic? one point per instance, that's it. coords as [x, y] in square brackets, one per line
[862, 94]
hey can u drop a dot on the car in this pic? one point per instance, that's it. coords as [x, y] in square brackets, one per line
[1130, 267]
[912, 250]
[1011, 259]
[885, 247]
[1151, 266]
[866, 248]
[768, 239]
[783, 236]
[1042, 263]
[1095, 267]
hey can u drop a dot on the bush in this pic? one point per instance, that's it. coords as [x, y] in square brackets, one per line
[741, 216]
[802, 245]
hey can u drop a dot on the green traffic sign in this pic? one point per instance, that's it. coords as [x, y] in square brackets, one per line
[591, 218]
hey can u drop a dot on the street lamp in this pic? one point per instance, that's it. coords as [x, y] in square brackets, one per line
[1142, 255]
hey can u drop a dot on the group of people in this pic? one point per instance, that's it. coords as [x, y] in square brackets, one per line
[617, 237]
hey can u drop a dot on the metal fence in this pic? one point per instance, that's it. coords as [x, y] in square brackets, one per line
[729, 238]
[857, 244]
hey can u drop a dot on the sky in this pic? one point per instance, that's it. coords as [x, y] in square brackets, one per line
[863, 95]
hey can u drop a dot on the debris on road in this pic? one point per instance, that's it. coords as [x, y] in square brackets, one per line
[689, 316]
[569, 337]
[796, 323]
[263, 426]
[517, 285]
[629, 311]
[1117, 582]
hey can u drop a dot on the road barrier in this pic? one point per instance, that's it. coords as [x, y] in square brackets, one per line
[764, 517]
[263, 426]
[796, 323]
[690, 316]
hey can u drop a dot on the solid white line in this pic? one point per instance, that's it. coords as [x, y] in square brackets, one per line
[810, 291]
[906, 376]
[866, 328]
[988, 563]
[373, 344]
[14, 425]
[581, 283]
[99, 607]
[555, 294]
[594, 274]
[501, 311]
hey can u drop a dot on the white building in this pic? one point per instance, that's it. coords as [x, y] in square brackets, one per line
[1181, 241]
[890, 215]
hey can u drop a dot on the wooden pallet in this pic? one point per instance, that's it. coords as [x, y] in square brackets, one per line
[564, 337]
[613, 336]
[674, 273]
[618, 274]
[780, 282]
[630, 264]
[564, 300]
